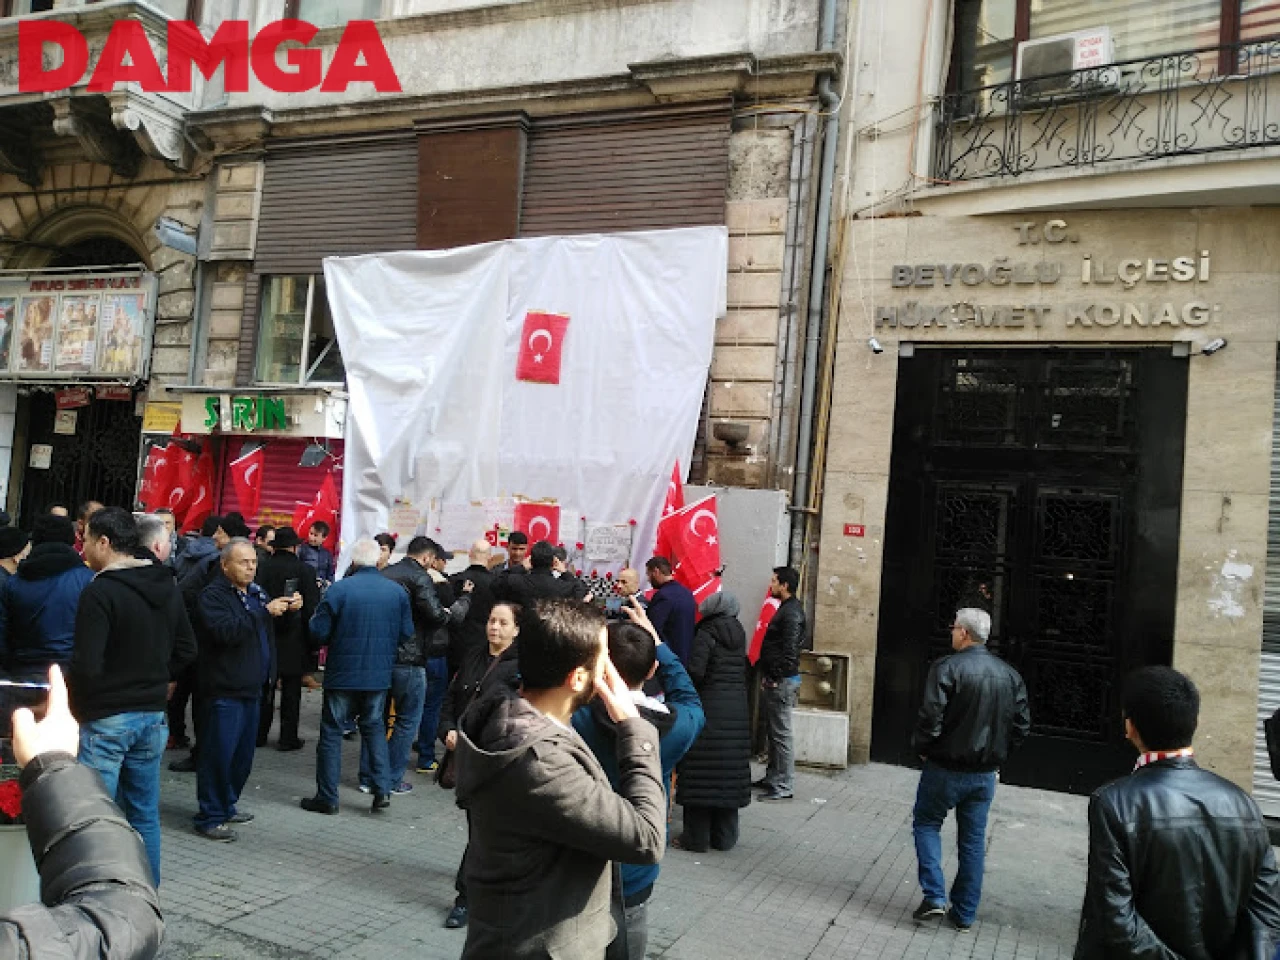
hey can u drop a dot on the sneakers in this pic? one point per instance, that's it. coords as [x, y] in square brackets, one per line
[365, 788]
[957, 923]
[241, 818]
[316, 805]
[928, 910]
[221, 833]
[428, 766]
[457, 917]
[402, 787]
[775, 794]
[381, 801]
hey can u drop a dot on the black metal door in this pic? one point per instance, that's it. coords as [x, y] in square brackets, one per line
[98, 462]
[1044, 485]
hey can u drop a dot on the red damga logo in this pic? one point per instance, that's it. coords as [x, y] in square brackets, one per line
[127, 57]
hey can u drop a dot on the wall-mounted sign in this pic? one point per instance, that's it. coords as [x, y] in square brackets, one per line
[317, 414]
[41, 456]
[161, 417]
[76, 326]
[855, 530]
[247, 414]
[72, 397]
[64, 422]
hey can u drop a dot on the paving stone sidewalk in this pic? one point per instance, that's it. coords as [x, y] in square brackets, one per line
[828, 876]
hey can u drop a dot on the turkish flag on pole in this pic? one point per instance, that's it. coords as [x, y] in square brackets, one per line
[675, 492]
[540, 521]
[246, 474]
[770, 607]
[692, 535]
[707, 589]
[200, 506]
[157, 478]
[541, 347]
[182, 463]
[324, 506]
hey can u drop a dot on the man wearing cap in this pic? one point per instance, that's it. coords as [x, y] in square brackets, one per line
[14, 547]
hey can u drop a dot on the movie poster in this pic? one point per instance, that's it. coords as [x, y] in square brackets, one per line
[8, 319]
[35, 334]
[123, 325]
[77, 334]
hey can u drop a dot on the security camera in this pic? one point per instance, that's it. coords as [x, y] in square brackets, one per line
[1213, 346]
[874, 344]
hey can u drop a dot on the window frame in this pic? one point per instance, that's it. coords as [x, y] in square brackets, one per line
[291, 8]
[1228, 34]
[307, 365]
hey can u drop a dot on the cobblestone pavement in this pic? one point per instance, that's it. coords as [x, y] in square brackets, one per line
[829, 876]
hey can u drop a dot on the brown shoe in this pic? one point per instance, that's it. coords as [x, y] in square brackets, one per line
[310, 682]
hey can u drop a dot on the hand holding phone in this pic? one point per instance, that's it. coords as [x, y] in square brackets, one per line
[291, 586]
[57, 731]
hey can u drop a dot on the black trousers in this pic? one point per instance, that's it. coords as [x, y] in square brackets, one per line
[460, 881]
[714, 827]
[183, 691]
[290, 708]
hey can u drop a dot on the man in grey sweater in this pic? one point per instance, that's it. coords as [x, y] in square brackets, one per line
[544, 820]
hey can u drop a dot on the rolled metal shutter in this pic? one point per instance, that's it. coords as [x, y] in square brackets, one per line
[633, 170]
[336, 198]
[1266, 789]
[284, 482]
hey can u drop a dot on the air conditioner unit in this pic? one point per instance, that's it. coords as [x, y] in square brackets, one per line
[1058, 59]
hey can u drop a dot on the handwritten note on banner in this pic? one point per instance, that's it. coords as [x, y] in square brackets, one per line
[405, 520]
[608, 542]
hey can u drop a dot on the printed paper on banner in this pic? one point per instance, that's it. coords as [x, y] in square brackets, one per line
[541, 347]
[405, 520]
[608, 543]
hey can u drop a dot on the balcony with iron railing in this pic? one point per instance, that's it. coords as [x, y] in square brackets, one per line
[1194, 102]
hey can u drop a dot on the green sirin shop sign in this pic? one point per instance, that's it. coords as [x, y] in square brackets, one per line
[248, 413]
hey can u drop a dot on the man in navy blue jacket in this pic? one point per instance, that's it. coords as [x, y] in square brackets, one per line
[672, 609]
[639, 655]
[363, 619]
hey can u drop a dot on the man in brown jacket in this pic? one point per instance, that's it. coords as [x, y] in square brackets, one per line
[545, 822]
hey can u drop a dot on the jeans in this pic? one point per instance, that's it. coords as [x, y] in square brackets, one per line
[126, 750]
[437, 685]
[408, 691]
[709, 827]
[778, 702]
[970, 796]
[633, 931]
[228, 738]
[339, 707]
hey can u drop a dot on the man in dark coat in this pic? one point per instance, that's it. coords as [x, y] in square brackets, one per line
[99, 900]
[438, 672]
[363, 619]
[780, 682]
[38, 603]
[14, 547]
[715, 776]
[672, 608]
[236, 659]
[545, 821]
[470, 633]
[1179, 860]
[284, 575]
[541, 583]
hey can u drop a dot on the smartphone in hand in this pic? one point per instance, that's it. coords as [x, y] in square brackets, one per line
[290, 586]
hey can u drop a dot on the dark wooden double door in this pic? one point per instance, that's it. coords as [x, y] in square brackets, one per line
[1044, 485]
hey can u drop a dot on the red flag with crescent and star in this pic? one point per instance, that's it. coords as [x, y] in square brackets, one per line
[539, 521]
[200, 506]
[324, 506]
[182, 464]
[157, 478]
[541, 347]
[770, 607]
[246, 474]
[692, 538]
[673, 502]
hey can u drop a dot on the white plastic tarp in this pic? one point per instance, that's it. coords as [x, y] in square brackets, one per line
[431, 339]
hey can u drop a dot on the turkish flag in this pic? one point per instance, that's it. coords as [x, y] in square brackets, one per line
[707, 589]
[541, 347]
[770, 607]
[675, 492]
[182, 464]
[692, 536]
[540, 521]
[246, 474]
[200, 505]
[324, 506]
[157, 478]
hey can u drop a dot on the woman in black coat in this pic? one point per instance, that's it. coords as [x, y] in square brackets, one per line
[714, 779]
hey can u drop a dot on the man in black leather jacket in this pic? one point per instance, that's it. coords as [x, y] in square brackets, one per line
[409, 675]
[94, 874]
[1180, 867]
[974, 713]
[780, 683]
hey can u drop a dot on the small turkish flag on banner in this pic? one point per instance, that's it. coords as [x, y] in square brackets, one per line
[157, 478]
[692, 535]
[540, 521]
[246, 474]
[324, 506]
[200, 507]
[182, 463]
[541, 346]
[771, 605]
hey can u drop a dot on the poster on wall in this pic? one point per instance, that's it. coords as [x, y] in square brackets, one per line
[35, 334]
[124, 321]
[8, 319]
[77, 335]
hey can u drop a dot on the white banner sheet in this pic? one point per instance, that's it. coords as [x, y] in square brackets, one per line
[433, 342]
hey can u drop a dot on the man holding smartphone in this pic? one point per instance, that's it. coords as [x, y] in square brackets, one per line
[283, 574]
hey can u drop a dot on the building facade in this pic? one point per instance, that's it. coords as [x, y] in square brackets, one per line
[1053, 388]
[515, 118]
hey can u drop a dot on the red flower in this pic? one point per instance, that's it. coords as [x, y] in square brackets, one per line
[579, 546]
[632, 522]
[11, 801]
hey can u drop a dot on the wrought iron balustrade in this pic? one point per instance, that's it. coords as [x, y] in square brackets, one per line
[1196, 101]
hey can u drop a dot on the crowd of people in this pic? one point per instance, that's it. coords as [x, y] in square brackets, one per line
[566, 726]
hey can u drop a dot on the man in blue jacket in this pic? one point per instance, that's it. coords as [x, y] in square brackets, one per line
[363, 619]
[672, 609]
[639, 655]
[38, 603]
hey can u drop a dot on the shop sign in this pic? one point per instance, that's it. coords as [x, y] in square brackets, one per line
[247, 414]
[76, 327]
[161, 417]
[855, 530]
[72, 397]
[114, 392]
[1130, 291]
